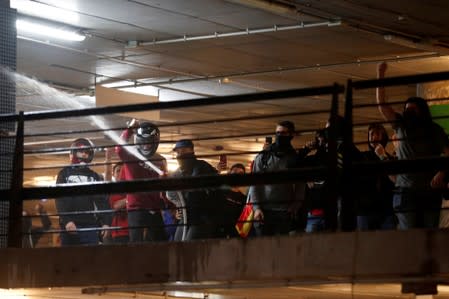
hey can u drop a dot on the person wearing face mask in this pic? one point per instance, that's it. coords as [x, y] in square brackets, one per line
[141, 161]
[276, 206]
[416, 204]
[201, 219]
[77, 211]
[374, 204]
[316, 190]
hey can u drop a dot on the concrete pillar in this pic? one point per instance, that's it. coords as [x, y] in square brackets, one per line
[8, 45]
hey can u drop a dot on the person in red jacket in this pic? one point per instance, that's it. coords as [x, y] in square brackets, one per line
[141, 161]
[118, 204]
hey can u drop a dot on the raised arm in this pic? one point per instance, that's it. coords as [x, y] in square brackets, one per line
[125, 137]
[384, 109]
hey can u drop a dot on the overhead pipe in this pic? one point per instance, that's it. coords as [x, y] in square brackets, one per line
[247, 31]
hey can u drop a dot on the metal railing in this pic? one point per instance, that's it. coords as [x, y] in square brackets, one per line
[331, 171]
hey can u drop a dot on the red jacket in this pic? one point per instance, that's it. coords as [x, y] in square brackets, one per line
[134, 169]
[120, 217]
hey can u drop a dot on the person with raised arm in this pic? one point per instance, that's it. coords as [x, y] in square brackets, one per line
[140, 161]
[416, 205]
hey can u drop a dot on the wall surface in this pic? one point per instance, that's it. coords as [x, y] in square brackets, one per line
[393, 256]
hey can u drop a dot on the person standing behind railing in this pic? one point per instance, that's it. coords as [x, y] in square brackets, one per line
[374, 204]
[418, 136]
[32, 234]
[276, 206]
[234, 202]
[144, 208]
[200, 207]
[77, 212]
[117, 202]
[317, 190]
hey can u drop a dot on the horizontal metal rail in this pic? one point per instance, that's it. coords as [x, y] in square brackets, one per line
[188, 123]
[280, 177]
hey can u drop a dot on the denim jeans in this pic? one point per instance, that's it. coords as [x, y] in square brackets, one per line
[415, 209]
[315, 223]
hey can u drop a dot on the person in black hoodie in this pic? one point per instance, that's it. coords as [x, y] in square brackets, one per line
[200, 207]
[76, 212]
[277, 207]
[375, 202]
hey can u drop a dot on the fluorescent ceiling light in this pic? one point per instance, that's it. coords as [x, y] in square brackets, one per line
[116, 84]
[145, 90]
[45, 11]
[48, 31]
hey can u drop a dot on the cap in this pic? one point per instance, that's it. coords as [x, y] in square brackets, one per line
[183, 143]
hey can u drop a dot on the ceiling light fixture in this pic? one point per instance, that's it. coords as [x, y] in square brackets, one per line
[37, 28]
[46, 11]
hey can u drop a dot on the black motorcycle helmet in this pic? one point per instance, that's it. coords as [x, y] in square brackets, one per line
[82, 145]
[147, 138]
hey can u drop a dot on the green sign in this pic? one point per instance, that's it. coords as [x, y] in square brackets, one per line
[440, 115]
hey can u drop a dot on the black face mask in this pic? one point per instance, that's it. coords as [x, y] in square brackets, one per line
[186, 162]
[411, 117]
[283, 142]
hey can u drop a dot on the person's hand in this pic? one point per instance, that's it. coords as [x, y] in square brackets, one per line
[39, 209]
[438, 180]
[133, 124]
[70, 227]
[258, 215]
[311, 145]
[381, 69]
[221, 166]
[380, 151]
[105, 233]
[109, 151]
[178, 215]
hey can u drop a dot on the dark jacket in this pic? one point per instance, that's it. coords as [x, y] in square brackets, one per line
[201, 204]
[375, 191]
[81, 203]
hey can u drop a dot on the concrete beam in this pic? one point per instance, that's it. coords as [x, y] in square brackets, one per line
[339, 257]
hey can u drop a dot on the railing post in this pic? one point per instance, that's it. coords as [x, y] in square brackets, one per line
[348, 214]
[332, 163]
[16, 199]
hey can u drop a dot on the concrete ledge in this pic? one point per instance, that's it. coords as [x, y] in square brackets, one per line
[380, 256]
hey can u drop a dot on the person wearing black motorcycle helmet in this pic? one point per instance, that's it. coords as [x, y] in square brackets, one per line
[71, 220]
[144, 208]
[147, 139]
